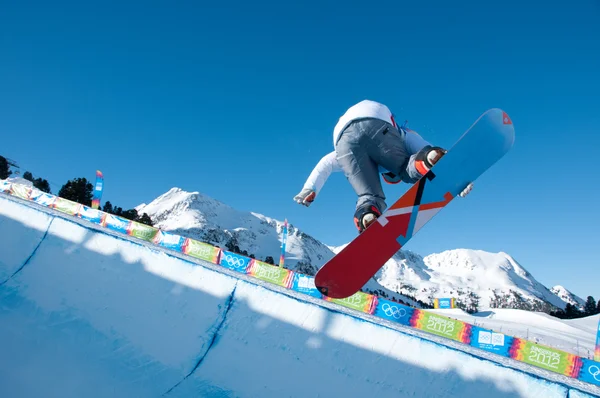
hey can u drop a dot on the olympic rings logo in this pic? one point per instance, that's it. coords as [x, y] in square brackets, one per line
[235, 262]
[393, 311]
[595, 373]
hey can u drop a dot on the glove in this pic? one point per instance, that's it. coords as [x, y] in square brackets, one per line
[466, 191]
[305, 197]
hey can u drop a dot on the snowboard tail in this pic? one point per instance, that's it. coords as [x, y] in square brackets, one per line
[481, 146]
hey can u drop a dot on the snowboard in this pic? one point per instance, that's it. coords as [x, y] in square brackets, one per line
[483, 144]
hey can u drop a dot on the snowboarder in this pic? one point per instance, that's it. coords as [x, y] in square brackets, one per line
[368, 142]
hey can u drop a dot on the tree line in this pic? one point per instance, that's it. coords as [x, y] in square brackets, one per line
[571, 311]
[78, 190]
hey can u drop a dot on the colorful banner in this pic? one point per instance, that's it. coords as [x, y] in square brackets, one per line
[271, 273]
[5, 186]
[442, 326]
[92, 215]
[359, 301]
[116, 223]
[98, 190]
[545, 357]
[169, 240]
[597, 352]
[393, 311]
[306, 284]
[590, 372]
[142, 231]
[491, 341]
[42, 198]
[444, 303]
[201, 250]
[283, 242]
[20, 191]
[66, 206]
[234, 261]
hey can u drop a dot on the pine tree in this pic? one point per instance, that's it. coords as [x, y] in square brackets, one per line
[39, 183]
[130, 214]
[42, 185]
[108, 207]
[598, 308]
[4, 168]
[590, 306]
[78, 190]
[269, 260]
[145, 219]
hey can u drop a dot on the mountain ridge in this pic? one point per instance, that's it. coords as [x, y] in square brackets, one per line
[477, 279]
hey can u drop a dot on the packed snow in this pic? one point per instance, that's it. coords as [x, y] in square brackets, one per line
[87, 312]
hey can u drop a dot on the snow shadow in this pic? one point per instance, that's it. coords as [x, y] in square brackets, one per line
[275, 346]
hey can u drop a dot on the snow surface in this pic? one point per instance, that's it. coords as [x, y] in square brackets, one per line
[472, 276]
[577, 336]
[84, 312]
[568, 297]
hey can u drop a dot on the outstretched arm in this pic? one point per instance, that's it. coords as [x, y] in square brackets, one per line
[317, 178]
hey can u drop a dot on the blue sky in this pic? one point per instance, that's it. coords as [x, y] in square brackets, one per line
[238, 100]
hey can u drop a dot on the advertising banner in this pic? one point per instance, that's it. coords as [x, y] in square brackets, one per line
[441, 325]
[20, 191]
[590, 372]
[5, 186]
[201, 250]
[359, 301]
[98, 190]
[545, 357]
[116, 223]
[271, 273]
[443, 303]
[89, 214]
[597, 351]
[283, 242]
[42, 198]
[169, 240]
[306, 284]
[234, 261]
[66, 206]
[489, 340]
[142, 231]
[393, 311]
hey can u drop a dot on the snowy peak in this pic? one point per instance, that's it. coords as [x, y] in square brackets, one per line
[478, 279]
[203, 218]
[565, 295]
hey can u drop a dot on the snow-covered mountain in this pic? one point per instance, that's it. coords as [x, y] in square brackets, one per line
[568, 297]
[478, 279]
[200, 217]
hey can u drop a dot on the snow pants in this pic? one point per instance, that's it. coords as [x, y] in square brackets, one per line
[366, 147]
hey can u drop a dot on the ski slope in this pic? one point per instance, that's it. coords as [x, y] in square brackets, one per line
[88, 312]
[577, 336]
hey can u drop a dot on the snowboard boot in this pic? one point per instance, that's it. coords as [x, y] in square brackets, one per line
[365, 216]
[427, 157]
